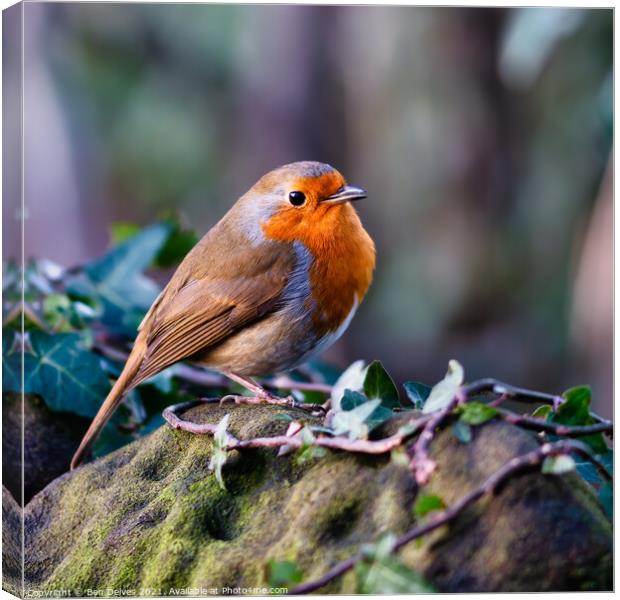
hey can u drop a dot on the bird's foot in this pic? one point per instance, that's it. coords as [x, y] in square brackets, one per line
[264, 397]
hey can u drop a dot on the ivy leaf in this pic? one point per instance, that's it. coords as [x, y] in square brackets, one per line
[378, 385]
[417, 392]
[381, 549]
[219, 456]
[11, 362]
[62, 371]
[426, 503]
[590, 473]
[283, 573]
[121, 231]
[462, 431]
[56, 308]
[476, 413]
[575, 410]
[543, 412]
[352, 400]
[557, 465]
[606, 498]
[308, 451]
[389, 576]
[117, 281]
[352, 379]
[443, 392]
[180, 241]
[353, 422]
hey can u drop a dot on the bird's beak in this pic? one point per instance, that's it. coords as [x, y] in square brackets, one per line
[347, 193]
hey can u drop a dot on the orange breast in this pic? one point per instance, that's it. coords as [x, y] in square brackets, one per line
[344, 258]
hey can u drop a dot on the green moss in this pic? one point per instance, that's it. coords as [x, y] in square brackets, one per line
[152, 516]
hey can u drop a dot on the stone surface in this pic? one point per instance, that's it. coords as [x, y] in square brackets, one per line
[51, 440]
[11, 544]
[151, 517]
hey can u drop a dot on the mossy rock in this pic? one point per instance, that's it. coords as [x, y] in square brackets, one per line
[51, 440]
[150, 517]
[11, 544]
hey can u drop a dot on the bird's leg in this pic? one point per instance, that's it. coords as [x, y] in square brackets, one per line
[262, 396]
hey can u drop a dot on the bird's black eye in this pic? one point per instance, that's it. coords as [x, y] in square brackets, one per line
[297, 198]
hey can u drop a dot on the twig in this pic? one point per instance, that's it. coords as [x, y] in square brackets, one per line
[518, 394]
[528, 422]
[289, 402]
[520, 463]
[421, 464]
[171, 415]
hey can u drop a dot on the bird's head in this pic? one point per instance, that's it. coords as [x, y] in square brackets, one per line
[302, 199]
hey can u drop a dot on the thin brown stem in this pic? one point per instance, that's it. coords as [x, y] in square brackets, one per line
[420, 462]
[528, 422]
[524, 462]
[171, 415]
[517, 394]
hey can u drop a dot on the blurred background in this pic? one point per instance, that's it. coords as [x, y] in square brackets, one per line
[483, 137]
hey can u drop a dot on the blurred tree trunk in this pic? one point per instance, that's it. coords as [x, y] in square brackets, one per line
[592, 312]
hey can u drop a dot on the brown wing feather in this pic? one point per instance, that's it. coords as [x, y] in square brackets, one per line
[205, 312]
[223, 284]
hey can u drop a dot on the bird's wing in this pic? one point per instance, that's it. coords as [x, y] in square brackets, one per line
[193, 314]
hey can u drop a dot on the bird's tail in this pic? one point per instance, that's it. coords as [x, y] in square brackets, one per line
[123, 384]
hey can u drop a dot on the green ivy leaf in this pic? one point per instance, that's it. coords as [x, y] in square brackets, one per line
[353, 422]
[543, 412]
[590, 473]
[352, 400]
[56, 308]
[179, 243]
[476, 413]
[283, 573]
[443, 393]
[575, 410]
[606, 498]
[557, 465]
[417, 392]
[378, 385]
[308, 451]
[389, 576]
[121, 231]
[62, 371]
[462, 431]
[117, 281]
[11, 362]
[426, 503]
[352, 378]
[381, 549]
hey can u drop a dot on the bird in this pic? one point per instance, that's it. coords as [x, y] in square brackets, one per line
[275, 282]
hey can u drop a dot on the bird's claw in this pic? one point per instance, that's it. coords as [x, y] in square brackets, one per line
[267, 398]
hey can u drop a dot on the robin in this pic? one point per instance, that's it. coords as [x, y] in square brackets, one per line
[274, 283]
